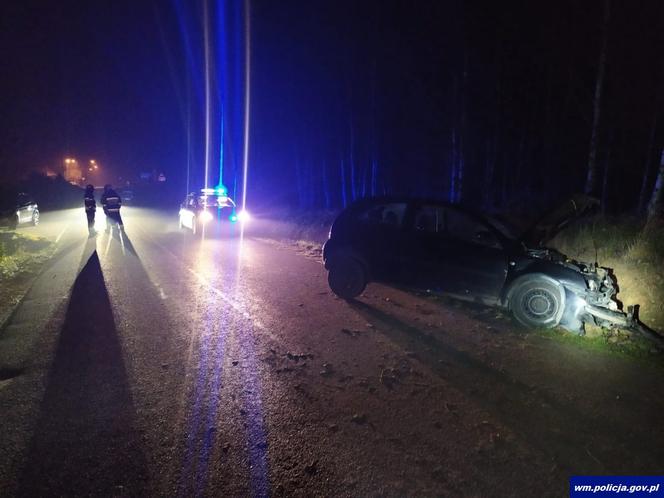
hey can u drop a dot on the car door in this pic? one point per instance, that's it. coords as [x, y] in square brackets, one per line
[188, 211]
[379, 238]
[476, 256]
[456, 253]
[23, 208]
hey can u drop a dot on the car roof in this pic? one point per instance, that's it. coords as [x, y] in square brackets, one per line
[390, 199]
[362, 204]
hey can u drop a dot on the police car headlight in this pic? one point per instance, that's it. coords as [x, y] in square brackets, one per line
[205, 216]
[243, 216]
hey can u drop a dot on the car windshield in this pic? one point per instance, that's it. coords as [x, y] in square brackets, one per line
[216, 201]
[504, 228]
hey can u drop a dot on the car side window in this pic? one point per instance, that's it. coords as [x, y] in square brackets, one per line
[388, 215]
[430, 219]
[463, 227]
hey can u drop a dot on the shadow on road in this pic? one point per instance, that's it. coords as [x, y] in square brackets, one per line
[84, 441]
[123, 239]
[556, 427]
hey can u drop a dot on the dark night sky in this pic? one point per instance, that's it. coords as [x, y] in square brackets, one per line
[110, 80]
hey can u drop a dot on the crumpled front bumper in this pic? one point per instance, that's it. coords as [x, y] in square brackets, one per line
[613, 317]
[628, 320]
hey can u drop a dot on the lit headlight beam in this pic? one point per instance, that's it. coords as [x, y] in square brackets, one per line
[208, 103]
[205, 216]
[243, 216]
[247, 97]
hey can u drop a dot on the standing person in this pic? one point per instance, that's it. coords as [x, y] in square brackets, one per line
[111, 202]
[90, 208]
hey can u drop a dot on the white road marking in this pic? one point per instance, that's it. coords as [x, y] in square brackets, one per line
[62, 232]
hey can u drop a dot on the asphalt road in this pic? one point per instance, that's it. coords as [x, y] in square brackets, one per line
[159, 363]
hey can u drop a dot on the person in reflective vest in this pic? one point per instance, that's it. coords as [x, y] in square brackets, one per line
[111, 202]
[90, 208]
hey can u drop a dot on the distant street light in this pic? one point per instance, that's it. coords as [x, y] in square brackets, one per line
[72, 170]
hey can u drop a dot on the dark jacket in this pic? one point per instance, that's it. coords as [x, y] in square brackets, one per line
[89, 201]
[111, 201]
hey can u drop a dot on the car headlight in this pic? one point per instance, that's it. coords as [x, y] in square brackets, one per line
[205, 216]
[243, 216]
[592, 285]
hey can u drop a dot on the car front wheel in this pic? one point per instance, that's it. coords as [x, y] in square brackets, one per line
[35, 218]
[537, 301]
[347, 277]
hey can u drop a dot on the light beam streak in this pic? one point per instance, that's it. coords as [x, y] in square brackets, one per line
[247, 97]
[208, 104]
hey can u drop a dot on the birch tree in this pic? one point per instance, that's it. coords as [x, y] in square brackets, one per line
[643, 194]
[655, 204]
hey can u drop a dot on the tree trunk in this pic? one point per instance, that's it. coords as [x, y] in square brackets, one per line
[326, 186]
[374, 132]
[655, 205]
[351, 160]
[300, 182]
[649, 155]
[461, 158]
[489, 169]
[344, 195]
[453, 186]
[492, 143]
[591, 178]
[605, 179]
[374, 176]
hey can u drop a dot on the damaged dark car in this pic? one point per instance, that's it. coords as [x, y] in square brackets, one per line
[447, 249]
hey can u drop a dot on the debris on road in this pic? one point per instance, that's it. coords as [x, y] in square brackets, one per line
[312, 468]
[359, 419]
[352, 333]
[327, 370]
[298, 357]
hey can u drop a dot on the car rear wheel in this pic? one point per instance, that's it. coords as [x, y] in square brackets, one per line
[537, 301]
[35, 218]
[347, 277]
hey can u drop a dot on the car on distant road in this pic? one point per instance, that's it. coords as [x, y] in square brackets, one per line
[18, 208]
[127, 196]
[211, 207]
[444, 248]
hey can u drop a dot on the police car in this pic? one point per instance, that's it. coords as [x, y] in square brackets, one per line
[212, 206]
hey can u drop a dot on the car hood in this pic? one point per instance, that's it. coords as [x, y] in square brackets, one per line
[556, 220]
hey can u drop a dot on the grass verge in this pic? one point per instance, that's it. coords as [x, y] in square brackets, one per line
[20, 254]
